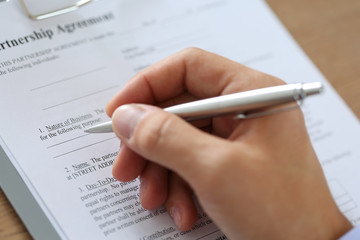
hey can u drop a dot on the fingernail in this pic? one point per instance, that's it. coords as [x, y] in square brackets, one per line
[176, 215]
[125, 119]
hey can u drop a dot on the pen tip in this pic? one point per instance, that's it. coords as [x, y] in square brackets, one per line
[100, 128]
[93, 129]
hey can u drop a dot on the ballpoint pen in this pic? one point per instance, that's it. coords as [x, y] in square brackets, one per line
[236, 103]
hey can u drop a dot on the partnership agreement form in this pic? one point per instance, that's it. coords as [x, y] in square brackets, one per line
[56, 76]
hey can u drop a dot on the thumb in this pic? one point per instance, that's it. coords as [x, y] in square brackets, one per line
[165, 139]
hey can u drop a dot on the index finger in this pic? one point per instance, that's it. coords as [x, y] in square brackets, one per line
[192, 70]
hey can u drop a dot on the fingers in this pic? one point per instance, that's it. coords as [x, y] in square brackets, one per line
[180, 203]
[189, 70]
[153, 186]
[128, 165]
[158, 187]
[153, 178]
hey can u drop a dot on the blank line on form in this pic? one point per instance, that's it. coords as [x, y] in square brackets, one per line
[75, 150]
[68, 78]
[78, 98]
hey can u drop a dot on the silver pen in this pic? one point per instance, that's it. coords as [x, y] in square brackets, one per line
[236, 103]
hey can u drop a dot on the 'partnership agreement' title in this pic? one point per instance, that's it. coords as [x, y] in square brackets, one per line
[60, 29]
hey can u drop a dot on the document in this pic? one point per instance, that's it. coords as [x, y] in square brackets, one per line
[56, 76]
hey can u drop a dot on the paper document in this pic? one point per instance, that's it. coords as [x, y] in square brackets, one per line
[56, 76]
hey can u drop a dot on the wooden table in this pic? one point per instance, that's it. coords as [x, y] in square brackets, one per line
[328, 31]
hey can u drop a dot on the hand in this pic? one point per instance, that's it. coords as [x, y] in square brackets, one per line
[256, 178]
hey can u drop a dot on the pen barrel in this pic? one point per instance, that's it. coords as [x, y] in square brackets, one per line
[244, 101]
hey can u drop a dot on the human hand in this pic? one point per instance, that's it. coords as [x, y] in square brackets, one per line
[256, 178]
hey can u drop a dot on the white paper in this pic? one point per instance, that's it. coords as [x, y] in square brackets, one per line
[56, 76]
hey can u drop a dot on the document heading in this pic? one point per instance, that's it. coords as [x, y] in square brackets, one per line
[42, 34]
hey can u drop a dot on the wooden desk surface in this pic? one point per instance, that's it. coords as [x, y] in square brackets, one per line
[328, 31]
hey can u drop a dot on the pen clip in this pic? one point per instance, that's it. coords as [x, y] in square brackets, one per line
[299, 103]
[265, 113]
